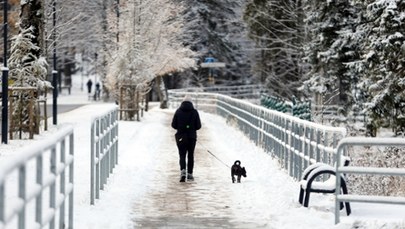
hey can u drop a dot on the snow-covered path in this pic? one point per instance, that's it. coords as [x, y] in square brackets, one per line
[144, 190]
[206, 203]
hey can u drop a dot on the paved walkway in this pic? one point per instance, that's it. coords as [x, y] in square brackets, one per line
[204, 203]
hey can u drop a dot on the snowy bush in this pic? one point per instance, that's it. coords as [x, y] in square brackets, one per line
[26, 69]
[389, 157]
[28, 72]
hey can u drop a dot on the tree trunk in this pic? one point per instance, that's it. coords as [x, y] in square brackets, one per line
[32, 14]
[161, 91]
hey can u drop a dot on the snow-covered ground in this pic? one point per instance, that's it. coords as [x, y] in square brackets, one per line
[267, 197]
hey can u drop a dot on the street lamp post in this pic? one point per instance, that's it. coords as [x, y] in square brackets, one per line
[118, 22]
[95, 69]
[4, 79]
[54, 71]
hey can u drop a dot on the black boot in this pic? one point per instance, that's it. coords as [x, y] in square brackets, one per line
[183, 175]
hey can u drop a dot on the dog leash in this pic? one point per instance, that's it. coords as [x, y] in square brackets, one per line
[214, 155]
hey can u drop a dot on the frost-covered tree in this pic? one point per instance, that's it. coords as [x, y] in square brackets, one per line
[277, 28]
[28, 67]
[149, 48]
[385, 61]
[330, 51]
[216, 29]
[83, 28]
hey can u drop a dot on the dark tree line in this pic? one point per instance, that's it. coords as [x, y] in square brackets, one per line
[346, 53]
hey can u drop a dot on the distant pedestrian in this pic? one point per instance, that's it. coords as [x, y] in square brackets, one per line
[89, 85]
[186, 121]
[97, 93]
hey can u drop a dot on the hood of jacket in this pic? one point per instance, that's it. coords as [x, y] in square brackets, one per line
[186, 106]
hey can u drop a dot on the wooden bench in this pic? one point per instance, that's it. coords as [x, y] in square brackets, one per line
[68, 87]
[310, 183]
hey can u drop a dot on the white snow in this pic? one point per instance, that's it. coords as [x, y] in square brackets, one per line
[267, 196]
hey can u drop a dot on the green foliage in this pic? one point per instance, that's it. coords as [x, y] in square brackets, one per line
[275, 103]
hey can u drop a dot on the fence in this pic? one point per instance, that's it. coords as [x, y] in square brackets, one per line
[362, 141]
[296, 143]
[104, 150]
[241, 92]
[45, 168]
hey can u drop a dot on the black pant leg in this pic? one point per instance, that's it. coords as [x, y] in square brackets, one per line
[182, 155]
[190, 156]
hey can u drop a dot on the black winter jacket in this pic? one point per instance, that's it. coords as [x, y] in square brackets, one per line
[186, 120]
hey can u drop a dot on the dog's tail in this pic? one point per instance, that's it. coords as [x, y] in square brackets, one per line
[237, 162]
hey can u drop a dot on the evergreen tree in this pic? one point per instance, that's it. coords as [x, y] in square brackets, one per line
[331, 51]
[277, 29]
[385, 61]
[215, 29]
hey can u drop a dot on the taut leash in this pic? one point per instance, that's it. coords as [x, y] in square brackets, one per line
[214, 155]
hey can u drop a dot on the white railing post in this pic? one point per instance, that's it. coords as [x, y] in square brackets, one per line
[40, 180]
[71, 179]
[22, 180]
[52, 191]
[340, 169]
[62, 188]
[104, 150]
[32, 188]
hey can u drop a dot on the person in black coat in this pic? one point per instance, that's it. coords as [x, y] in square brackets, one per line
[186, 121]
[89, 85]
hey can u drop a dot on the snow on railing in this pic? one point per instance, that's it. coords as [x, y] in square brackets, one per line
[37, 182]
[340, 169]
[241, 91]
[296, 143]
[104, 150]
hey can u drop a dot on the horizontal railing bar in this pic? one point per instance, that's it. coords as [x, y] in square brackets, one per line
[371, 199]
[372, 170]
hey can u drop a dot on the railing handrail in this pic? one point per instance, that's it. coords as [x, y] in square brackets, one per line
[55, 175]
[103, 150]
[235, 91]
[364, 141]
[296, 142]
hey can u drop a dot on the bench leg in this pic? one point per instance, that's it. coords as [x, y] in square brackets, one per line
[301, 196]
[348, 209]
[344, 191]
[306, 199]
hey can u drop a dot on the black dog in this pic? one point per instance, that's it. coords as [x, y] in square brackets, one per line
[237, 170]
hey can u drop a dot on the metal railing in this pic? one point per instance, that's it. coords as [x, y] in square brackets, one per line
[240, 92]
[44, 168]
[340, 169]
[104, 150]
[296, 143]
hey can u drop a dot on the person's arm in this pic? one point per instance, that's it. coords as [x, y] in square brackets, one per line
[197, 121]
[174, 121]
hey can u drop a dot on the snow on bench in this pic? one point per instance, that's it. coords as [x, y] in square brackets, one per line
[309, 182]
